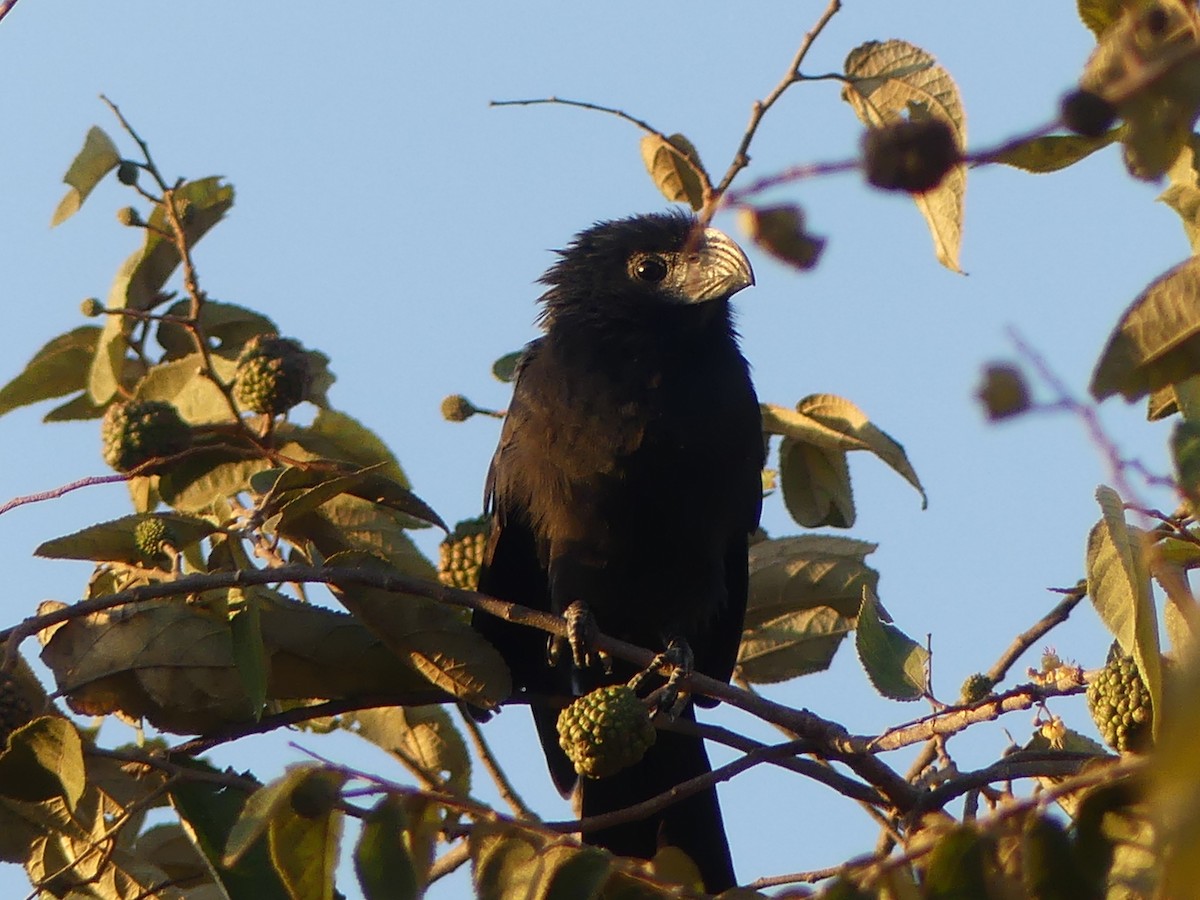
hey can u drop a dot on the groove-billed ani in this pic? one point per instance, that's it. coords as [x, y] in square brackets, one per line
[627, 479]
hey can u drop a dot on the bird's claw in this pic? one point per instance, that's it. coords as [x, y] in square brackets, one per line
[669, 699]
[582, 633]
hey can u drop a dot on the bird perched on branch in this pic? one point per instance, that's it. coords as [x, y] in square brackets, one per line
[623, 492]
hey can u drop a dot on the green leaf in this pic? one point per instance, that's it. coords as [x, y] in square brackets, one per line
[112, 541]
[1183, 193]
[1050, 870]
[434, 639]
[816, 485]
[348, 439]
[424, 736]
[182, 384]
[98, 157]
[229, 325]
[1098, 15]
[395, 850]
[1052, 152]
[505, 368]
[59, 368]
[675, 167]
[894, 662]
[261, 807]
[78, 408]
[1118, 582]
[381, 531]
[804, 594]
[249, 655]
[208, 812]
[842, 416]
[44, 760]
[1185, 452]
[958, 866]
[1157, 341]
[203, 477]
[508, 864]
[305, 849]
[887, 81]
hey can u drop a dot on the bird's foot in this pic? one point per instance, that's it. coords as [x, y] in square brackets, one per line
[582, 633]
[669, 699]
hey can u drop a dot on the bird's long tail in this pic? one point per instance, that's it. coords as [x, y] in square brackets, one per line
[693, 824]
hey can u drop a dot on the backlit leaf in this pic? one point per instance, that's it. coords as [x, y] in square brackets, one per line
[894, 662]
[676, 169]
[888, 81]
[1157, 341]
[1052, 152]
[59, 368]
[98, 157]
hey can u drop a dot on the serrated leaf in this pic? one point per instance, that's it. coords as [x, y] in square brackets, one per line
[208, 811]
[228, 325]
[780, 230]
[306, 850]
[113, 541]
[98, 157]
[57, 369]
[1183, 192]
[1118, 582]
[1146, 65]
[193, 394]
[260, 807]
[842, 416]
[434, 639]
[423, 736]
[505, 368]
[886, 82]
[1185, 453]
[44, 760]
[352, 442]
[249, 654]
[381, 531]
[201, 478]
[1157, 341]
[395, 849]
[1099, 15]
[791, 645]
[1053, 152]
[804, 594]
[806, 571]
[893, 661]
[816, 485]
[675, 167]
[957, 866]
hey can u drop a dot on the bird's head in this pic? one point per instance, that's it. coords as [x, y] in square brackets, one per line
[642, 263]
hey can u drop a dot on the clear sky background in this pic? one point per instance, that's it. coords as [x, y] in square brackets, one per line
[386, 215]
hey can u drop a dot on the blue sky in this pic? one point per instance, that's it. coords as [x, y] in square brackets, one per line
[388, 216]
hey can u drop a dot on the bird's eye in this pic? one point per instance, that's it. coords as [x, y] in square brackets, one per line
[650, 269]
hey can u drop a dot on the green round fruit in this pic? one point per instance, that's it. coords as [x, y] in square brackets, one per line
[1120, 705]
[135, 432]
[605, 731]
[273, 375]
[151, 536]
[460, 555]
[457, 408]
[976, 687]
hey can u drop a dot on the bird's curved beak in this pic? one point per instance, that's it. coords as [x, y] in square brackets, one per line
[719, 270]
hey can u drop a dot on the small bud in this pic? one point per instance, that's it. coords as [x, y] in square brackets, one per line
[1003, 392]
[127, 215]
[1087, 113]
[127, 172]
[457, 408]
[91, 307]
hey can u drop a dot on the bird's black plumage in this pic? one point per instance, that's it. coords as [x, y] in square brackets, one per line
[628, 477]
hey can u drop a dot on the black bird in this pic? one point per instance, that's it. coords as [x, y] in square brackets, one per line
[626, 483]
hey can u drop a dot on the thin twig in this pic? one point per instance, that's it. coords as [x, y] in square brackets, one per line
[508, 793]
[1026, 639]
[741, 156]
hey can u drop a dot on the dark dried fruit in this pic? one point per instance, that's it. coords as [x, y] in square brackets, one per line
[1087, 113]
[911, 155]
